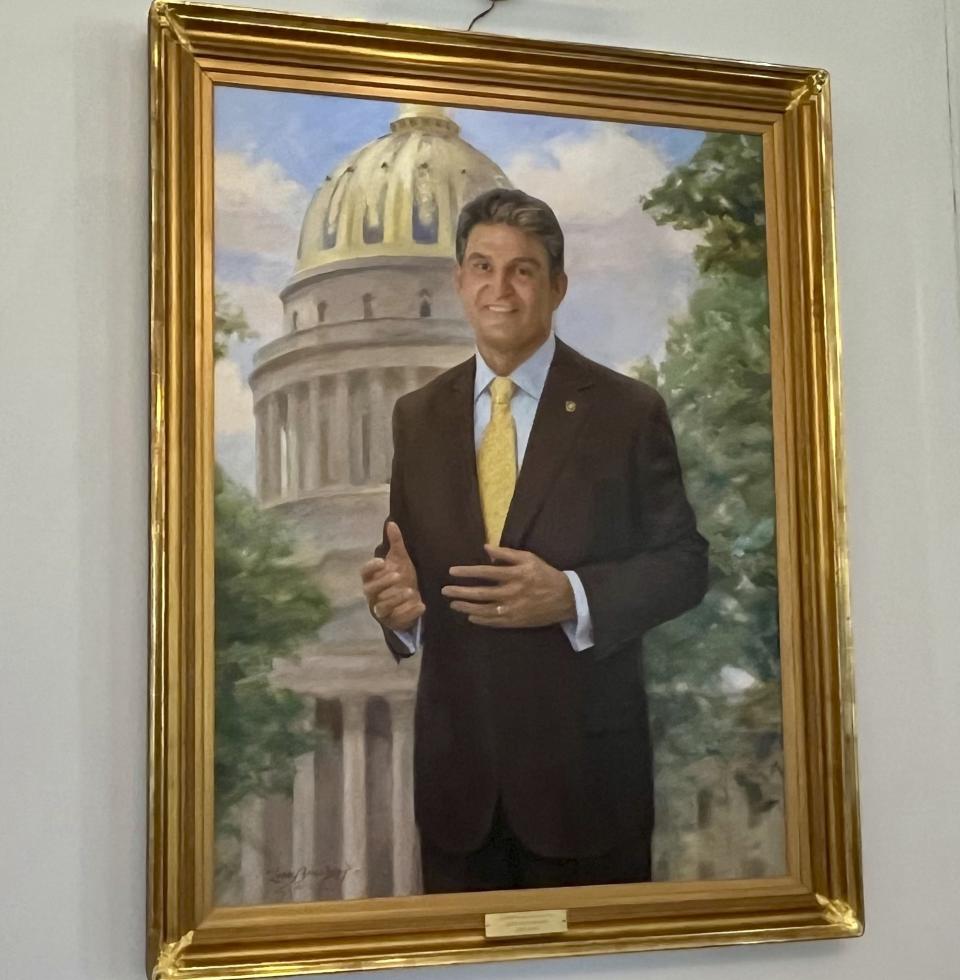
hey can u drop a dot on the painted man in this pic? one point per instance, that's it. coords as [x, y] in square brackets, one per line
[538, 528]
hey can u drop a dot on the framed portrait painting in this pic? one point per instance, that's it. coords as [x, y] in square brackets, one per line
[319, 290]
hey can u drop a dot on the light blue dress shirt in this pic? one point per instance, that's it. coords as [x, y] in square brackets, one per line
[528, 379]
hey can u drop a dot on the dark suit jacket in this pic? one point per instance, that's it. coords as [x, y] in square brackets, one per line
[560, 737]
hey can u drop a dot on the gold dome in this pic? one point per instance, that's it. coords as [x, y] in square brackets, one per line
[397, 196]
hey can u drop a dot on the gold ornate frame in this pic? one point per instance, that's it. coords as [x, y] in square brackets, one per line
[195, 47]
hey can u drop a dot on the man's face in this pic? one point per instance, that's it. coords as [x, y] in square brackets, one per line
[507, 291]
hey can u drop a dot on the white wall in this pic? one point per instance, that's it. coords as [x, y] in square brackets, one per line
[73, 464]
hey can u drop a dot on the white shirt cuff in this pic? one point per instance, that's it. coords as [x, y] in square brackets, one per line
[579, 631]
[411, 638]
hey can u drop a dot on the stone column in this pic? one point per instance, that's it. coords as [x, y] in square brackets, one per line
[311, 439]
[295, 406]
[405, 869]
[303, 827]
[271, 473]
[379, 428]
[259, 414]
[354, 859]
[252, 864]
[358, 472]
[339, 453]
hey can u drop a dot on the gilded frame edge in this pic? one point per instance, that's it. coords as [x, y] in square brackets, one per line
[193, 45]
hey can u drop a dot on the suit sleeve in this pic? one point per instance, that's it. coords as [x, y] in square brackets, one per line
[398, 515]
[667, 574]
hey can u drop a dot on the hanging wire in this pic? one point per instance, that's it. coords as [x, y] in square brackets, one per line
[493, 4]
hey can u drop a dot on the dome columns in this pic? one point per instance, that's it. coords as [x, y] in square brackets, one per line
[330, 431]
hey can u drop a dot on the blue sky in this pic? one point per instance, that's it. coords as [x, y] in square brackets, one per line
[309, 134]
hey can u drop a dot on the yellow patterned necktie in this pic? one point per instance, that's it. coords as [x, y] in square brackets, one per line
[497, 460]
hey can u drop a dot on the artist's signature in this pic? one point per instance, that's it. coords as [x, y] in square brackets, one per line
[291, 876]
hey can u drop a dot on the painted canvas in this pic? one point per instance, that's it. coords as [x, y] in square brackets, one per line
[334, 230]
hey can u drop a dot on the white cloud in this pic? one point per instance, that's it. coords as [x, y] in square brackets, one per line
[628, 275]
[593, 178]
[631, 244]
[233, 400]
[259, 208]
[261, 306]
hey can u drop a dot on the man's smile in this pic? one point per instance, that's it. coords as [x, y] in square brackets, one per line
[508, 293]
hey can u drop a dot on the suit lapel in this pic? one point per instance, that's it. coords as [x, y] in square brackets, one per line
[559, 420]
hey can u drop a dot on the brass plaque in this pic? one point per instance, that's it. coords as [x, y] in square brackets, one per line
[538, 923]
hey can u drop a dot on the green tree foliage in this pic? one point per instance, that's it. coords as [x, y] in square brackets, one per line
[719, 192]
[229, 323]
[264, 606]
[715, 378]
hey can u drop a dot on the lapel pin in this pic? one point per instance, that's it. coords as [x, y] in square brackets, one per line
[571, 406]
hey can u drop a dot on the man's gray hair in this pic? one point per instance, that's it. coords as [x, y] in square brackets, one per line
[509, 206]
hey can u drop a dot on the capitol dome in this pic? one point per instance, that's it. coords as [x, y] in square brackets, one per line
[399, 195]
